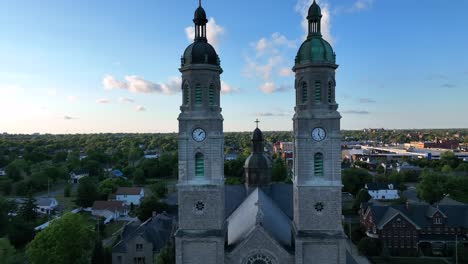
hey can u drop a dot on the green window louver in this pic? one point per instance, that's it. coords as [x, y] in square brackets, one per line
[198, 95]
[304, 92]
[211, 95]
[318, 92]
[199, 165]
[186, 95]
[330, 97]
[318, 164]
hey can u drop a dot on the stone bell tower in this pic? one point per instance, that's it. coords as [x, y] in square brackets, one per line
[200, 237]
[317, 157]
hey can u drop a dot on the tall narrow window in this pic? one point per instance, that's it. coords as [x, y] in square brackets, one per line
[199, 165]
[198, 95]
[186, 94]
[211, 95]
[330, 91]
[318, 164]
[304, 92]
[318, 92]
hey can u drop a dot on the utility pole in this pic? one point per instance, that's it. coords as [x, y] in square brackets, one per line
[456, 248]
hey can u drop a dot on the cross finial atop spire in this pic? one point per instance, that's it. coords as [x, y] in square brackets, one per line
[256, 121]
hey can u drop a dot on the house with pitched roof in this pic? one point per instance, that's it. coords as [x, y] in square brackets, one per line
[130, 195]
[141, 241]
[110, 210]
[408, 228]
[382, 190]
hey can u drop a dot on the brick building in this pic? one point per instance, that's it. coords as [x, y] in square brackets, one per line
[408, 228]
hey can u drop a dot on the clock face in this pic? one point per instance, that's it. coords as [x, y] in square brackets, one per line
[319, 134]
[198, 134]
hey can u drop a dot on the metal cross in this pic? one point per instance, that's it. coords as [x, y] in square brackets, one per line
[256, 121]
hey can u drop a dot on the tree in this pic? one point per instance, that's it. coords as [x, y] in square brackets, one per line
[87, 192]
[109, 186]
[362, 197]
[20, 232]
[449, 158]
[100, 254]
[149, 205]
[380, 169]
[54, 245]
[159, 189]
[279, 171]
[8, 254]
[28, 210]
[431, 187]
[6, 209]
[139, 177]
[354, 179]
[67, 190]
[166, 255]
[369, 247]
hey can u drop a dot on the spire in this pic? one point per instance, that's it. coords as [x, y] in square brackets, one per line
[257, 139]
[314, 16]
[200, 23]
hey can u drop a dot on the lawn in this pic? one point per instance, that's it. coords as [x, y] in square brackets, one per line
[66, 202]
[380, 260]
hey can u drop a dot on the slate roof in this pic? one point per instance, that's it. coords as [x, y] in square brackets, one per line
[157, 230]
[128, 191]
[117, 173]
[419, 214]
[45, 201]
[259, 209]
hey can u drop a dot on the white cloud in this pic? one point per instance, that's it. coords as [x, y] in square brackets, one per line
[126, 100]
[213, 32]
[69, 118]
[268, 114]
[271, 87]
[302, 7]
[361, 5]
[51, 92]
[366, 101]
[228, 89]
[136, 84]
[140, 108]
[103, 101]
[285, 72]
[72, 98]
[356, 112]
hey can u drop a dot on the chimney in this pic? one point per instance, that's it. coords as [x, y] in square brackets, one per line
[408, 207]
[155, 213]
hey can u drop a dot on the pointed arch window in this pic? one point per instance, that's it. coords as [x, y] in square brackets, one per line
[186, 93]
[330, 92]
[318, 92]
[211, 95]
[318, 164]
[304, 92]
[199, 165]
[198, 95]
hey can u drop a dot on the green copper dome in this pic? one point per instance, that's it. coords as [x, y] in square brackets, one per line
[200, 52]
[315, 49]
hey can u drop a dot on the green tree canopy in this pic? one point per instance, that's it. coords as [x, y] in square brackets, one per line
[87, 192]
[431, 187]
[149, 205]
[279, 171]
[354, 179]
[69, 239]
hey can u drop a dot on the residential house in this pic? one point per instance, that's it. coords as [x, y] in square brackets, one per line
[231, 156]
[409, 228]
[382, 190]
[77, 175]
[405, 167]
[2, 172]
[110, 210]
[141, 241]
[152, 154]
[46, 205]
[130, 195]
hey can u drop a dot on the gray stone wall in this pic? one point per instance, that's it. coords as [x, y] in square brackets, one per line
[200, 250]
[320, 251]
[259, 242]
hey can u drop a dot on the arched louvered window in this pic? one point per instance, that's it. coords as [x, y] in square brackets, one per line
[211, 95]
[199, 165]
[198, 95]
[186, 93]
[318, 92]
[318, 164]
[330, 92]
[304, 92]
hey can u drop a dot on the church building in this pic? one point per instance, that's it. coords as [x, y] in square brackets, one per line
[260, 222]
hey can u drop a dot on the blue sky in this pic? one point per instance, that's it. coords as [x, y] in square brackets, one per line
[90, 66]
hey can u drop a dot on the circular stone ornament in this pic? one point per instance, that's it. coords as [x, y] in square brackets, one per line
[259, 259]
[319, 207]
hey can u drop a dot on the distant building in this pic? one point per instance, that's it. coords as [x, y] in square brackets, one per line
[2, 172]
[46, 205]
[117, 174]
[382, 191]
[231, 156]
[442, 144]
[152, 154]
[412, 227]
[402, 167]
[141, 241]
[110, 210]
[130, 195]
[77, 175]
